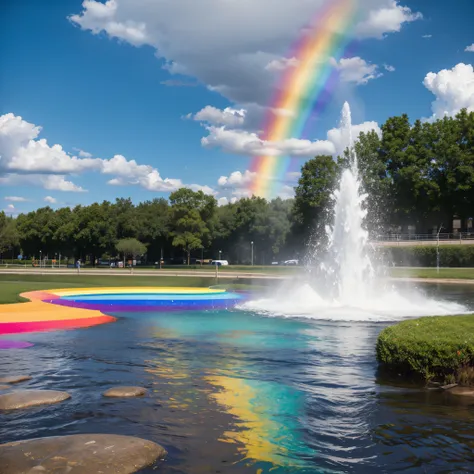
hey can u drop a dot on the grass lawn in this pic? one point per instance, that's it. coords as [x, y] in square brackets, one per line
[439, 348]
[455, 273]
[12, 285]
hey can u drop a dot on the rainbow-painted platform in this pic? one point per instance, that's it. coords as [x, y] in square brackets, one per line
[84, 307]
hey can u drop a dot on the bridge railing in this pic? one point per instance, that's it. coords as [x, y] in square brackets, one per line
[456, 236]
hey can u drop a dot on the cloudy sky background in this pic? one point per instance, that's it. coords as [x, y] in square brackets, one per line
[132, 98]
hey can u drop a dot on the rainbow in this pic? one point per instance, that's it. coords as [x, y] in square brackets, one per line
[304, 89]
[59, 309]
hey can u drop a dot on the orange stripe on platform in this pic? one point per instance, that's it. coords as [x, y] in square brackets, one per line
[37, 315]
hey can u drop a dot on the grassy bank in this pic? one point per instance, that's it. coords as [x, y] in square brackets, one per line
[444, 273]
[431, 348]
[12, 285]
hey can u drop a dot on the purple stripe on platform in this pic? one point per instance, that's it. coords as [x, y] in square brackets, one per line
[136, 308]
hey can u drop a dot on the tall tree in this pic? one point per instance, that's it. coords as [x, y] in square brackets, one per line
[313, 198]
[192, 217]
[9, 237]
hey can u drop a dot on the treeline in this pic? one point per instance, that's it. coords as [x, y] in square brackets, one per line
[189, 224]
[419, 175]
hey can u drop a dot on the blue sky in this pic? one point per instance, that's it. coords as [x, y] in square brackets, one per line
[121, 79]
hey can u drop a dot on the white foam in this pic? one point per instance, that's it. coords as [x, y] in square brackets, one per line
[389, 305]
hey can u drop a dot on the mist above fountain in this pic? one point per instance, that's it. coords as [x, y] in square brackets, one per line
[349, 279]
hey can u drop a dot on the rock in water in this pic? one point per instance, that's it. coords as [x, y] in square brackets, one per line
[31, 398]
[80, 454]
[15, 379]
[462, 391]
[5, 387]
[125, 392]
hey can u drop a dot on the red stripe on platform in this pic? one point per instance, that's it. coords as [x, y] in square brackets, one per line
[38, 326]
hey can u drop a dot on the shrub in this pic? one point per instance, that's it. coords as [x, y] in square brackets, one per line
[425, 255]
[430, 347]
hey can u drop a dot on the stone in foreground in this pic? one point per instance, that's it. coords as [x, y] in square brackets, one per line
[125, 392]
[30, 398]
[80, 454]
[15, 379]
[5, 387]
[463, 391]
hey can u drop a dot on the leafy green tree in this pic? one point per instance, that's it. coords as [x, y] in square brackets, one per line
[130, 248]
[36, 230]
[9, 237]
[375, 181]
[94, 231]
[192, 218]
[313, 198]
[153, 221]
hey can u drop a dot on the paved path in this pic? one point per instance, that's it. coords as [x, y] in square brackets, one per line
[457, 281]
[151, 273]
[203, 274]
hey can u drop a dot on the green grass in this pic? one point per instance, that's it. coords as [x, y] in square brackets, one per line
[12, 285]
[453, 273]
[432, 348]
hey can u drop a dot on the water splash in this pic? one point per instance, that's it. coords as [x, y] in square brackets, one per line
[350, 284]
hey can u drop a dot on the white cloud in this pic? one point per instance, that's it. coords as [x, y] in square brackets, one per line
[50, 182]
[470, 49]
[389, 68]
[356, 70]
[50, 200]
[338, 136]
[237, 186]
[10, 207]
[25, 159]
[84, 154]
[15, 199]
[281, 64]
[247, 143]
[453, 89]
[286, 192]
[21, 151]
[293, 175]
[233, 55]
[236, 179]
[56, 182]
[387, 19]
[229, 116]
[427, 36]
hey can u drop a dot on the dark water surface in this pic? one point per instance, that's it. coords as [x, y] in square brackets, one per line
[234, 392]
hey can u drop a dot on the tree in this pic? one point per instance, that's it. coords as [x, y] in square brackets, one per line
[312, 205]
[130, 248]
[375, 181]
[152, 227]
[94, 231]
[36, 230]
[191, 220]
[8, 233]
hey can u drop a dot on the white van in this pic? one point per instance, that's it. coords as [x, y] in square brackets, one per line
[220, 262]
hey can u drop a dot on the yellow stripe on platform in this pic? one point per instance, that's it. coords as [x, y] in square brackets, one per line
[121, 290]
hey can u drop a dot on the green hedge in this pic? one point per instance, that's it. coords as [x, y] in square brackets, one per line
[432, 347]
[425, 256]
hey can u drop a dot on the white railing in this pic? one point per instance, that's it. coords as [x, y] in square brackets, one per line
[454, 237]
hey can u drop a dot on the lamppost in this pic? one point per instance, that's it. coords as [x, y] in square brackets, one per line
[41, 257]
[251, 243]
[220, 254]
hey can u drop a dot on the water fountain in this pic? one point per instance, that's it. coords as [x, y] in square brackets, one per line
[349, 285]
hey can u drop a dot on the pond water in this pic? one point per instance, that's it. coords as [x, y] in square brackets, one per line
[238, 392]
